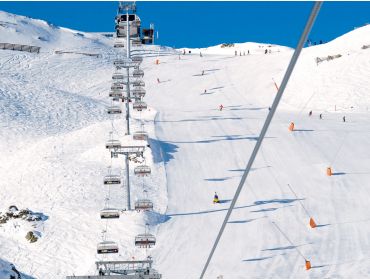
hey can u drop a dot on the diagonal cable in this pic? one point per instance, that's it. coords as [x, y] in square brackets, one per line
[293, 61]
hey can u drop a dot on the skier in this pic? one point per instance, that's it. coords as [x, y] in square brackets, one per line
[243, 53]
[344, 118]
[215, 198]
[202, 72]
[200, 54]
[310, 114]
[236, 53]
[221, 107]
[248, 51]
[205, 91]
[158, 80]
[320, 116]
[269, 108]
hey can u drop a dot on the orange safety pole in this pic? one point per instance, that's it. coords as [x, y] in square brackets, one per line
[312, 223]
[291, 126]
[277, 88]
[157, 61]
[308, 264]
[329, 171]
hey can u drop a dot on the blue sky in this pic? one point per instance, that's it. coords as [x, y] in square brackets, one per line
[201, 24]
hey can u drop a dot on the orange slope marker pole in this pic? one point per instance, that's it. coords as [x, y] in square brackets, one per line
[329, 171]
[291, 126]
[277, 88]
[312, 221]
[307, 262]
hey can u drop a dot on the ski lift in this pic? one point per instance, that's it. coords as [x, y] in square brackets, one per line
[109, 213]
[140, 135]
[117, 86]
[143, 205]
[134, 22]
[113, 144]
[138, 83]
[145, 240]
[139, 91]
[138, 73]
[112, 179]
[118, 44]
[139, 105]
[137, 59]
[136, 43]
[118, 76]
[107, 247]
[114, 110]
[116, 94]
[118, 62]
[142, 170]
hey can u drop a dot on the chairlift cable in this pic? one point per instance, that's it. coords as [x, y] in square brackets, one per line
[302, 40]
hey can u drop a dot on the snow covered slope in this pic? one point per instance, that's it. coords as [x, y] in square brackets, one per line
[54, 127]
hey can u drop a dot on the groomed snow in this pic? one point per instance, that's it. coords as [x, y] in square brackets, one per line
[54, 128]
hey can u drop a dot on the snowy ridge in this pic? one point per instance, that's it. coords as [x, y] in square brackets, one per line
[54, 127]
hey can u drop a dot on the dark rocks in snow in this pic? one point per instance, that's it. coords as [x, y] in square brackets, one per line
[32, 237]
[24, 214]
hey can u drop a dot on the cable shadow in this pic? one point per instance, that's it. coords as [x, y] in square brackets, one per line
[263, 258]
[338, 173]
[248, 109]
[216, 88]
[269, 209]
[252, 169]
[204, 119]
[217, 179]
[216, 140]
[238, 207]
[241, 221]
[303, 130]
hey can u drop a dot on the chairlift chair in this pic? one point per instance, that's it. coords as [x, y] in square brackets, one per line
[109, 213]
[107, 247]
[143, 205]
[139, 91]
[114, 93]
[112, 179]
[118, 62]
[138, 73]
[136, 42]
[118, 76]
[138, 83]
[137, 59]
[113, 144]
[139, 105]
[118, 44]
[117, 86]
[114, 110]
[145, 240]
[140, 135]
[142, 170]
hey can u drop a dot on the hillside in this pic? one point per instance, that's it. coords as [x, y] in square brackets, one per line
[54, 128]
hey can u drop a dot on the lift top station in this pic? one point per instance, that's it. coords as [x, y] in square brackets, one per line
[127, 12]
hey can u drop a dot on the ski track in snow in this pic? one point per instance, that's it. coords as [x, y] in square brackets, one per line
[54, 127]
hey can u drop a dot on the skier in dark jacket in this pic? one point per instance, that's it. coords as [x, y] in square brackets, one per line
[215, 198]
